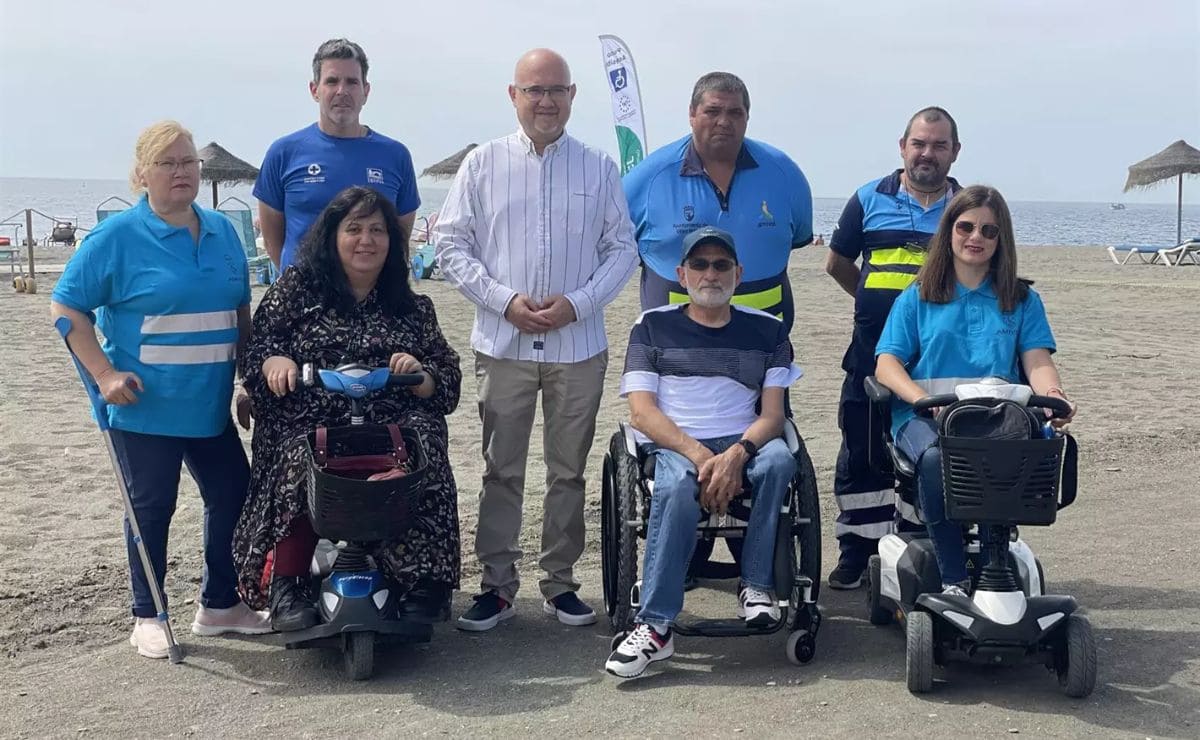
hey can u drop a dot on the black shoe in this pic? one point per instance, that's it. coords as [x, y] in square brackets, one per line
[569, 610]
[846, 576]
[427, 601]
[292, 607]
[488, 611]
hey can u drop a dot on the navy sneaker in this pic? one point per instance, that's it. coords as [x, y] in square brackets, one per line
[570, 610]
[639, 649]
[489, 610]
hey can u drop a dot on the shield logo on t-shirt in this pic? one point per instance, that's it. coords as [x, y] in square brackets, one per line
[314, 169]
[689, 212]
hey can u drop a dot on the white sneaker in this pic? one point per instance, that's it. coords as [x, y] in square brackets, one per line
[759, 608]
[149, 637]
[237, 619]
[639, 649]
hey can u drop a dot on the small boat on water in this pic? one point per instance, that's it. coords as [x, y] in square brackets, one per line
[1117, 206]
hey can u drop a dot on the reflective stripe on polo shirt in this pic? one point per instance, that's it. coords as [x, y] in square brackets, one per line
[182, 349]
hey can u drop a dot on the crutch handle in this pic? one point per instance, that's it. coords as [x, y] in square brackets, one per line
[99, 406]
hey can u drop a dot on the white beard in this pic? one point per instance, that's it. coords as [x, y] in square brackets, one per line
[708, 297]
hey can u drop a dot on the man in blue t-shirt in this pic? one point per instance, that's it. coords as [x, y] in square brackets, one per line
[887, 224]
[717, 177]
[304, 170]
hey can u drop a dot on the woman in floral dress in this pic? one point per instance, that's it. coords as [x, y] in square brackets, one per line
[347, 299]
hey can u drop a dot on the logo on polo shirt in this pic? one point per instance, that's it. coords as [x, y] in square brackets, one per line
[314, 169]
[689, 212]
[767, 218]
[375, 175]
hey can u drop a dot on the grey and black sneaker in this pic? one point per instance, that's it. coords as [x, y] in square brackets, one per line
[488, 611]
[758, 607]
[639, 649]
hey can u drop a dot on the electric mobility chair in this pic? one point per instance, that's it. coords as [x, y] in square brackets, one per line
[627, 487]
[364, 481]
[1002, 466]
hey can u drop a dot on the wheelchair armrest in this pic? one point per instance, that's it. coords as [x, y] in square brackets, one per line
[630, 440]
[791, 436]
[876, 391]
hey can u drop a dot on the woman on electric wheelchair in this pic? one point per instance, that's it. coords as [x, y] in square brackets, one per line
[967, 317]
[347, 299]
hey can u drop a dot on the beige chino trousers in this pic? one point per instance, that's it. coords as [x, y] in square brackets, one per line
[508, 393]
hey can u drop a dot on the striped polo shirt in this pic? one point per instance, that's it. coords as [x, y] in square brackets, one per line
[707, 380]
[768, 209]
[167, 307]
[889, 229]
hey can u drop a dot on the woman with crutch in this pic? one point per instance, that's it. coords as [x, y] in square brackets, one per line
[168, 285]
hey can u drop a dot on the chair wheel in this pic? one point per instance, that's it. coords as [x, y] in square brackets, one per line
[1076, 659]
[616, 640]
[876, 613]
[19, 283]
[801, 647]
[918, 664]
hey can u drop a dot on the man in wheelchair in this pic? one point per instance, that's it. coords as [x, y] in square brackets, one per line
[694, 375]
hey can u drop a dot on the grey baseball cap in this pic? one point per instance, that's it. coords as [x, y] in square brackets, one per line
[708, 235]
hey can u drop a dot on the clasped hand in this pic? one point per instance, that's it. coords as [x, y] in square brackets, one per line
[532, 317]
[720, 478]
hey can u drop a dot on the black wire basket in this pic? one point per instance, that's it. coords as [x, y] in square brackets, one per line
[354, 509]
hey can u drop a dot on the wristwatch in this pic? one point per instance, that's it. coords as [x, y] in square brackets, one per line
[750, 448]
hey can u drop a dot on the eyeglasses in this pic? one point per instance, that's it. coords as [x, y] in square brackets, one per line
[537, 92]
[172, 166]
[699, 264]
[966, 228]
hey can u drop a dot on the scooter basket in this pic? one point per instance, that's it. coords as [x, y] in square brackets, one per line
[1002, 481]
[347, 508]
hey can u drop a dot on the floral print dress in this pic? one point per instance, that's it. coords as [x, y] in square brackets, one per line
[293, 322]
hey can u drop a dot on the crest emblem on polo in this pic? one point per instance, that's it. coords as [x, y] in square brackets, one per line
[689, 212]
[314, 169]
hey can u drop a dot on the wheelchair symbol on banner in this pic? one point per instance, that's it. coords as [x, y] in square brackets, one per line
[617, 78]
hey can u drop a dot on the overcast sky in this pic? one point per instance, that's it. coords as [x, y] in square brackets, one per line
[1054, 98]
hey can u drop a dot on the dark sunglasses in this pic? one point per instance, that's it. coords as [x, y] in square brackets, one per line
[966, 228]
[699, 264]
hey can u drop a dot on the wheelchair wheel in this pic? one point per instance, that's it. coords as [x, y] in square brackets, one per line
[807, 530]
[358, 655]
[618, 541]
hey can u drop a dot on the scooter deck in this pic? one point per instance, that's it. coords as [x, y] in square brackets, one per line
[323, 633]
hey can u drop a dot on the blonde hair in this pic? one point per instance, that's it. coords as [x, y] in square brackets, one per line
[151, 143]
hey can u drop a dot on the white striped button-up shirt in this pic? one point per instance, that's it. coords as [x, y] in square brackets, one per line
[556, 224]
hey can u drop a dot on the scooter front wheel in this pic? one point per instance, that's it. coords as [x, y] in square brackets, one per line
[358, 654]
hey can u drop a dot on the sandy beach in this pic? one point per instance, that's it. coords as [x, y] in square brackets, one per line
[1126, 550]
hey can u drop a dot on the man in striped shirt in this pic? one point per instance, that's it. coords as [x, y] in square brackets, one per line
[536, 233]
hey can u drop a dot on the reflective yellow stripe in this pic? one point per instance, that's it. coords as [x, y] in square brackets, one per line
[889, 280]
[897, 256]
[761, 300]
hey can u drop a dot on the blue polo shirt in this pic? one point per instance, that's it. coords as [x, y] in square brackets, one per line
[305, 170]
[167, 307]
[889, 229]
[945, 344]
[768, 209]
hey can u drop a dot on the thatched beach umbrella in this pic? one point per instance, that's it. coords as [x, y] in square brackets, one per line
[448, 167]
[1177, 160]
[222, 167]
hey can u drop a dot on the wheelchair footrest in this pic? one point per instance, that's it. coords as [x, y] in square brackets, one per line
[723, 628]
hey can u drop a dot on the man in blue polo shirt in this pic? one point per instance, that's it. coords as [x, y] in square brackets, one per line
[886, 224]
[304, 170]
[715, 176]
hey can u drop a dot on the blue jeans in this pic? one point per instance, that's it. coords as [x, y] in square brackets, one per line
[150, 464]
[918, 440]
[675, 511]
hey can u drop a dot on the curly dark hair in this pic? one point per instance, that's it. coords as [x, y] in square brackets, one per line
[318, 255]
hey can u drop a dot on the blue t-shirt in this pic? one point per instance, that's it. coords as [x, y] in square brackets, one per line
[945, 344]
[768, 210]
[889, 229]
[167, 308]
[304, 170]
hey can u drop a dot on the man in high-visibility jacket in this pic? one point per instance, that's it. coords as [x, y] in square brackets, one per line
[875, 252]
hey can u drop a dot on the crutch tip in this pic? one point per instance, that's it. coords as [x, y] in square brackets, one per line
[175, 653]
